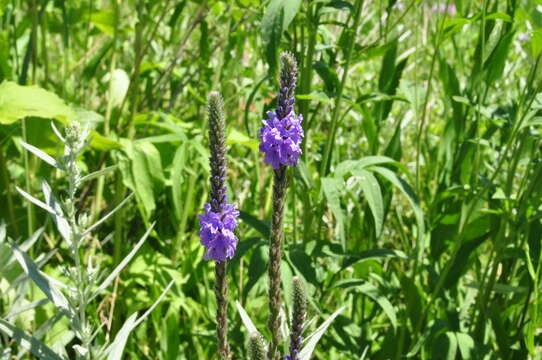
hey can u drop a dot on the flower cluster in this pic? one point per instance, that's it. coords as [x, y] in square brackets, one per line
[219, 218]
[281, 134]
[217, 232]
[281, 139]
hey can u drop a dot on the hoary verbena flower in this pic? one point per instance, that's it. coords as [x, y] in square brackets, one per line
[281, 134]
[217, 232]
[219, 219]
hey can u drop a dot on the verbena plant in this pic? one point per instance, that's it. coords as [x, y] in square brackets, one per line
[85, 279]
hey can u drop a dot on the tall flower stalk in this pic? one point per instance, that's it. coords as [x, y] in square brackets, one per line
[281, 138]
[219, 219]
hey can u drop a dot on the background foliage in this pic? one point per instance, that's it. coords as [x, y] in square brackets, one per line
[417, 203]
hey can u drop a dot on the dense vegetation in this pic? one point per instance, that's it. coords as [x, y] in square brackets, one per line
[416, 203]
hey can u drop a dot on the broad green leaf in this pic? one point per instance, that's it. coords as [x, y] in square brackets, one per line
[100, 142]
[371, 189]
[348, 166]
[237, 137]
[278, 15]
[373, 254]
[261, 226]
[374, 293]
[407, 190]
[17, 102]
[104, 20]
[332, 191]
[466, 345]
[118, 85]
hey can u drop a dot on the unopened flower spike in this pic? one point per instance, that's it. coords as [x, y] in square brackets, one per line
[299, 314]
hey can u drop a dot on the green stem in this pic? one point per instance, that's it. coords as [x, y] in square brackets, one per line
[5, 179]
[324, 169]
[27, 172]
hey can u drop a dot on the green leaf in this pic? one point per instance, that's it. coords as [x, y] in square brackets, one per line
[312, 340]
[277, 17]
[118, 82]
[373, 254]
[104, 20]
[245, 318]
[17, 102]
[237, 137]
[177, 178]
[407, 190]
[261, 226]
[466, 345]
[372, 292]
[332, 191]
[371, 189]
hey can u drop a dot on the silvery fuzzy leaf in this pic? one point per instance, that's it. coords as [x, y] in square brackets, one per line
[48, 288]
[2, 231]
[107, 216]
[16, 310]
[60, 220]
[57, 133]
[37, 202]
[29, 342]
[42, 155]
[313, 339]
[98, 173]
[6, 255]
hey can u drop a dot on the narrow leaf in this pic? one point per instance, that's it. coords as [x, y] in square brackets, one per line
[37, 202]
[122, 264]
[313, 339]
[99, 222]
[245, 318]
[31, 269]
[42, 155]
[28, 342]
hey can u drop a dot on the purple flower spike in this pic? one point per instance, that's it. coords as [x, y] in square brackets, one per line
[219, 219]
[217, 232]
[281, 139]
[281, 134]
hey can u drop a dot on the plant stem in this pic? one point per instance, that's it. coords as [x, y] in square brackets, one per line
[5, 179]
[324, 167]
[279, 194]
[221, 293]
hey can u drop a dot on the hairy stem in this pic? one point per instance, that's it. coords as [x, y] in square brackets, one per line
[279, 192]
